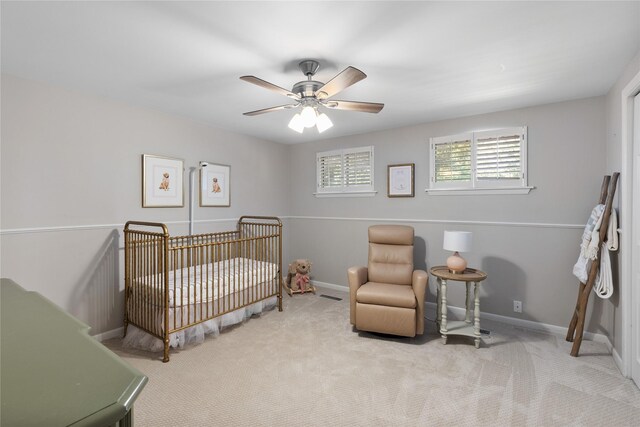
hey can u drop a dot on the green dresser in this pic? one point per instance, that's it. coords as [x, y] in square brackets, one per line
[52, 373]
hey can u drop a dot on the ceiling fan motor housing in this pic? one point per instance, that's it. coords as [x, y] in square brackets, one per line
[306, 88]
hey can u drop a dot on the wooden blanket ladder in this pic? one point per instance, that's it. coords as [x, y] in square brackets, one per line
[576, 327]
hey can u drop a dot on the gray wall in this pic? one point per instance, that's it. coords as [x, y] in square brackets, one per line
[530, 262]
[74, 161]
[614, 163]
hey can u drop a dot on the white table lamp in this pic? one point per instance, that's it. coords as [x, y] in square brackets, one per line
[457, 241]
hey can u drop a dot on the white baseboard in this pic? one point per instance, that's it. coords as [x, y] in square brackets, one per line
[459, 314]
[331, 286]
[114, 333]
[618, 360]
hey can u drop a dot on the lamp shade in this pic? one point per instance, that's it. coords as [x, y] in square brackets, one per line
[457, 241]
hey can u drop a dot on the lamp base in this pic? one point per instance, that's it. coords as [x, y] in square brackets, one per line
[456, 264]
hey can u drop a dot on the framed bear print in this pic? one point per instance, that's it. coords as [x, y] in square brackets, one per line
[215, 185]
[162, 182]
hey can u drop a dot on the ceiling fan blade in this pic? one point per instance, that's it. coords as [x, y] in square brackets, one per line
[365, 107]
[265, 84]
[346, 78]
[268, 110]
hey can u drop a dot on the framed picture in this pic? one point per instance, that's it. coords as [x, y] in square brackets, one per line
[162, 182]
[215, 185]
[400, 180]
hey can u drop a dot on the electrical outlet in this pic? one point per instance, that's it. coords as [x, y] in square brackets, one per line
[517, 306]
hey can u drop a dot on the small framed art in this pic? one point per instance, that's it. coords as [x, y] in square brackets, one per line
[400, 180]
[215, 185]
[162, 182]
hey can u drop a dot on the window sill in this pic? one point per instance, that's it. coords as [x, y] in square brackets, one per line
[347, 194]
[477, 191]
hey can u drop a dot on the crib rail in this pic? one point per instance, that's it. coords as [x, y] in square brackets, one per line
[145, 258]
[173, 283]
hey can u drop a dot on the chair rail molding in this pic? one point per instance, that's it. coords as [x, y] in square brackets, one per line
[442, 221]
[63, 228]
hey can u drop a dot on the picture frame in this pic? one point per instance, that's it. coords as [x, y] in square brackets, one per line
[215, 185]
[400, 180]
[162, 182]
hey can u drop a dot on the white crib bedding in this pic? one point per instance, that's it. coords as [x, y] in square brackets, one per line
[241, 277]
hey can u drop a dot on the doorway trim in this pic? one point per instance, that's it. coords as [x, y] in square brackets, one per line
[627, 297]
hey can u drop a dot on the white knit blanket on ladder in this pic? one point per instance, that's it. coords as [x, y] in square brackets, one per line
[591, 245]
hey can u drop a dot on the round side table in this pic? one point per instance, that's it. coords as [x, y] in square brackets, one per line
[470, 276]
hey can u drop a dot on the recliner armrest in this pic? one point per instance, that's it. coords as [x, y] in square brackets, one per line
[419, 283]
[357, 277]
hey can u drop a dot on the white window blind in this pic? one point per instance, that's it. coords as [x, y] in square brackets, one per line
[452, 159]
[330, 171]
[499, 157]
[345, 171]
[480, 160]
[357, 168]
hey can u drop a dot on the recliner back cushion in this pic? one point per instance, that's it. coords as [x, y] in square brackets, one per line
[390, 263]
[391, 234]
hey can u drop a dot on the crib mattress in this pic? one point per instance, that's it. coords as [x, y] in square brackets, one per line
[208, 282]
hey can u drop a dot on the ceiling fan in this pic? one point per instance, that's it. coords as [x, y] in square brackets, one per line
[311, 94]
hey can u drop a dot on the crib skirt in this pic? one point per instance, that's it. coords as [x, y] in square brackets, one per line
[138, 339]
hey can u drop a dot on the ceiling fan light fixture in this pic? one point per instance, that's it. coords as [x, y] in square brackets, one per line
[310, 94]
[323, 122]
[308, 116]
[296, 123]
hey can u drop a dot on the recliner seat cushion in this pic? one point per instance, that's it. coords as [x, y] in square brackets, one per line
[387, 295]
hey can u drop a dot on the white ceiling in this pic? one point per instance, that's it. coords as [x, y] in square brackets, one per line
[425, 61]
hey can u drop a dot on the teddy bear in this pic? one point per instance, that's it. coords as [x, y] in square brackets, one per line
[216, 186]
[164, 185]
[298, 275]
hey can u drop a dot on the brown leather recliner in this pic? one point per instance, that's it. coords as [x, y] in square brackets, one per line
[388, 295]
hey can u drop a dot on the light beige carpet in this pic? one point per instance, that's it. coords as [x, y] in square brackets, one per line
[306, 366]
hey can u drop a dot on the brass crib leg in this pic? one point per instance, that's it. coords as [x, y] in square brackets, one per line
[165, 359]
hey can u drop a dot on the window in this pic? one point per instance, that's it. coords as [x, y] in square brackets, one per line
[345, 172]
[480, 162]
